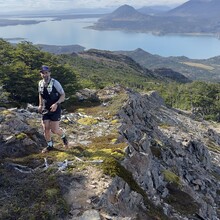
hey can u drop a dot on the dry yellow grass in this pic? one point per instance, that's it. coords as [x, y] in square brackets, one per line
[199, 65]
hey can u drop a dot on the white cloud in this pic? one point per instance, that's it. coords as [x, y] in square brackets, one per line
[12, 5]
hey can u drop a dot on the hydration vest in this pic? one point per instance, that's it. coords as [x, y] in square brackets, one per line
[49, 93]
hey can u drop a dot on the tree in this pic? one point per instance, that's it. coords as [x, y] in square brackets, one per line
[19, 71]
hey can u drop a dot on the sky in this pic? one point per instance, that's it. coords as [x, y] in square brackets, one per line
[24, 5]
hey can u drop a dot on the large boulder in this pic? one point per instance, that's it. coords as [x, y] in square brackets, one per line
[17, 137]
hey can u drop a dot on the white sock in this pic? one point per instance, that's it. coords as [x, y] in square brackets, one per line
[50, 143]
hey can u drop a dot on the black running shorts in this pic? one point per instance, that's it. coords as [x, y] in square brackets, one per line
[52, 116]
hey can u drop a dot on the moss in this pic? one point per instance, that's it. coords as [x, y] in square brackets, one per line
[171, 177]
[181, 201]
[61, 156]
[33, 197]
[156, 151]
[155, 147]
[104, 146]
[52, 193]
[104, 139]
[6, 112]
[116, 103]
[114, 140]
[65, 121]
[164, 126]
[213, 147]
[80, 110]
[21, 136]
[62, 207]
[87, 121]
[95, 154]
[115, 121]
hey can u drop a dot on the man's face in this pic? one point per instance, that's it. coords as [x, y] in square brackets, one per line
[45, 75]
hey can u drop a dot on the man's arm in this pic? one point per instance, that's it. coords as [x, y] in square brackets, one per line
[61, 99]
[54, 106]
[40, 107]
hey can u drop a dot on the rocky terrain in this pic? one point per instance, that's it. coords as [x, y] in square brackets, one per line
[130, 157]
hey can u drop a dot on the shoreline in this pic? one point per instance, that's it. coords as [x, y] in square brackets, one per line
[9, 22]
[215, 35]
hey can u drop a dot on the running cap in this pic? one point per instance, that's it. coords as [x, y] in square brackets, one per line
[45, 68]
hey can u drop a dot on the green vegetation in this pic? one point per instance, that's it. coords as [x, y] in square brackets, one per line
[20, 66]
[19, 72]
[40, 196]
[87, 121]
[171, 177]
[181, 201]
[33, 196]
[202, 98]
[21, 136]
[96, 73]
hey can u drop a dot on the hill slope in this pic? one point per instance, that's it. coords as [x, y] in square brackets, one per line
[198, 8]
[193, 69]
[125, 12]
[100, 68]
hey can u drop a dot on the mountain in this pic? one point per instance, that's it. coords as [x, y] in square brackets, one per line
[193, 17]
[170, 74]
[198, 8]
[124, 12]
[193, 69]
[153, 10]
[60, 49]
[130, 70]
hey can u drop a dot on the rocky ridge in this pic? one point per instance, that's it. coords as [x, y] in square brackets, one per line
[169, 155]
[169, 168]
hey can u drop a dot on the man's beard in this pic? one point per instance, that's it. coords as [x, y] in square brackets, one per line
[46, 78]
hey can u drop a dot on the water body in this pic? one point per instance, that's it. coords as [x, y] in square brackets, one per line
[71, 32]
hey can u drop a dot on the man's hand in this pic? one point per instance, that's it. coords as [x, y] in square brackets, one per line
[53, 107]
[40, 108]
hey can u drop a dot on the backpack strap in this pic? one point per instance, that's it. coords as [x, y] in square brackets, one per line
[41, 86]
[49, 87]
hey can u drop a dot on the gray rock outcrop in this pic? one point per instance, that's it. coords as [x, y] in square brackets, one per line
[170, 158]
[17, 137]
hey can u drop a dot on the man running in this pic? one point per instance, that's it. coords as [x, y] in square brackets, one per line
[51, 94]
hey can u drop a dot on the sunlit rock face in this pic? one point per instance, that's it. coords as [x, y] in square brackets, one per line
[170, 159]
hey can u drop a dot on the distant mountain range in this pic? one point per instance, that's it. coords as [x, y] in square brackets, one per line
[120, 61]
[153, 10]
[193, 69]
[172, 68]
[198, 8]
[192, 17]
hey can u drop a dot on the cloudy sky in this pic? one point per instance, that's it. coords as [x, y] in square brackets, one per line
[23, 5]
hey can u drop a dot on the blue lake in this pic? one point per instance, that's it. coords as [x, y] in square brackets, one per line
[71, 32]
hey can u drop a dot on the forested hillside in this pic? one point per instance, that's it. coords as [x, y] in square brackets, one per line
[94, 69]
[194, 69]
